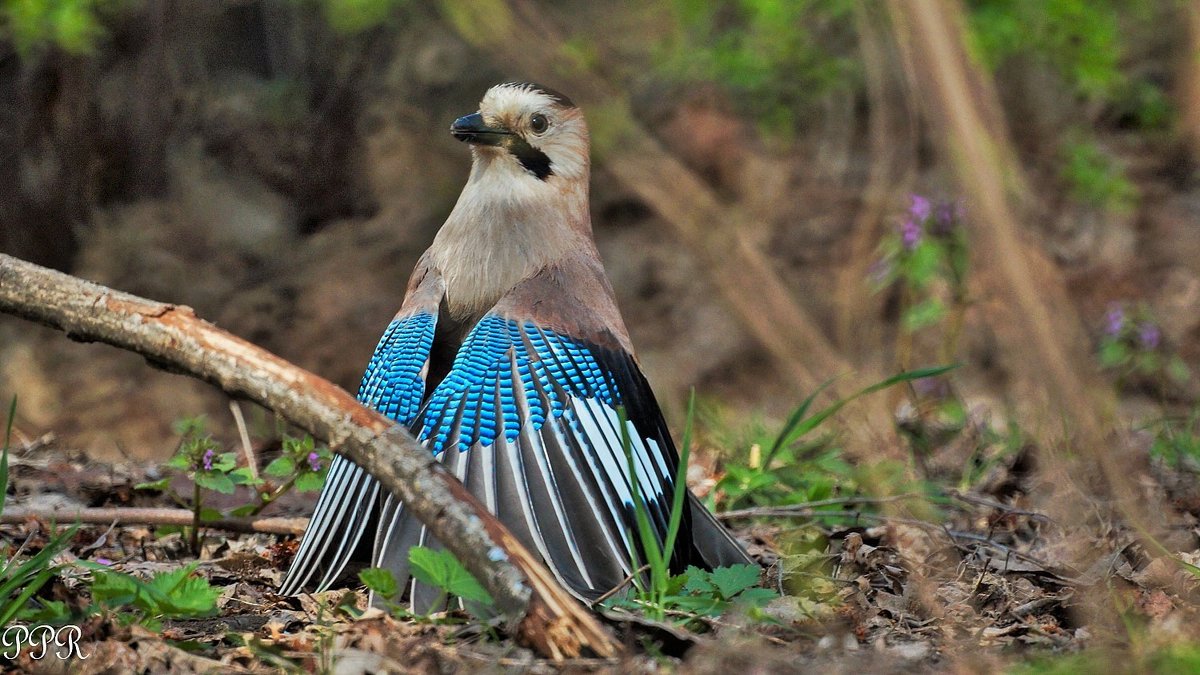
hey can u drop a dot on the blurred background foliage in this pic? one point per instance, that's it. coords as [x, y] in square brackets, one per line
[776, 58]
[237, 156]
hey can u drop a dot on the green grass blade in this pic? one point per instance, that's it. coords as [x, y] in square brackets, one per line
[18, 603]
[798, 425]
[650, 544]
[785, 434]
[679, 500]
[12, 415]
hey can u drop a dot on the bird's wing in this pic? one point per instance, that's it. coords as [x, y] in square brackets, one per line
[528, 419]
[394, 384]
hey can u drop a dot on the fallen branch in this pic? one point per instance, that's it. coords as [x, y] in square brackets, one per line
[543, 614]
[153, 516]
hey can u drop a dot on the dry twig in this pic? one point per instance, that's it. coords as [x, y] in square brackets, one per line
[153, 516]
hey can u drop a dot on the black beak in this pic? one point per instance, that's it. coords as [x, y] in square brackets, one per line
[471, 129]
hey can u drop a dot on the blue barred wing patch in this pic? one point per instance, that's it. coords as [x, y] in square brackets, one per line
[393, 383]
[480, 399]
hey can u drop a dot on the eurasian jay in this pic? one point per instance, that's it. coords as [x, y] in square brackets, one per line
[509, 361]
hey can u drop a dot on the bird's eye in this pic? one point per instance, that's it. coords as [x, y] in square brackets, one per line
[538, 123]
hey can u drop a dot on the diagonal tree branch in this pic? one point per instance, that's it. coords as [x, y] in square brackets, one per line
[171, 336]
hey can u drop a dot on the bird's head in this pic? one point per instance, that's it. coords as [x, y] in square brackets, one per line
[529, 130]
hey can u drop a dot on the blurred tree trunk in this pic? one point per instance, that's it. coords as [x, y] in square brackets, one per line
[893, 133]
[1189, 89]
[1025, 300]
[521, 34]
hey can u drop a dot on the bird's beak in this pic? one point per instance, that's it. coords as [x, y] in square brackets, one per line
[471, 129]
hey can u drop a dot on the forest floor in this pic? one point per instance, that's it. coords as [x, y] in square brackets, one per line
[952, 577]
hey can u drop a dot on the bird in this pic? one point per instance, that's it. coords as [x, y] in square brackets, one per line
[509, 360]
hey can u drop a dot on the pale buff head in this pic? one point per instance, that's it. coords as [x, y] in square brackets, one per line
[530, 131]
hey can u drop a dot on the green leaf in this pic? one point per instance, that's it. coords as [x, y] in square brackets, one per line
[381, 582]
[698, 581]
[309, 481]
[707, 605]
[923, 262]
[179, 461]
[243, 511]
[209, 514]
[50, 612]
[186, 593]
[756, 597]
[281, 466]
[244, 476]
[113, 589]
[225, 462]
[925, 313]
[161, 485]
[215, 481]
[189, 426]
[729, 581]
[442, 570]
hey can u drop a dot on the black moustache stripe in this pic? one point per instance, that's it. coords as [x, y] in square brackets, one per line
[535, 161]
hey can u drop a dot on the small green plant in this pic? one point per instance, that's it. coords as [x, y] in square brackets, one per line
[695, 593]
[438, 569]
[1177, 442]
[797, 467]
[20, 577]
[301, 465]
[199, 458]
[1094, 178]
[925, 259]
[178, 593]
[1132, 345]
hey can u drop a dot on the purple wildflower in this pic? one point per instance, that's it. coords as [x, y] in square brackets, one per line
[1149, 336]
[314, 461]
[943, 221]
[102, 561]
[1114, 320]
[920, 208]
[208, 458]
[910, 234]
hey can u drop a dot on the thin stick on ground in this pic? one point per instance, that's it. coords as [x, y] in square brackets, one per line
[244, 434]
[153, 516]
[539, 610]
